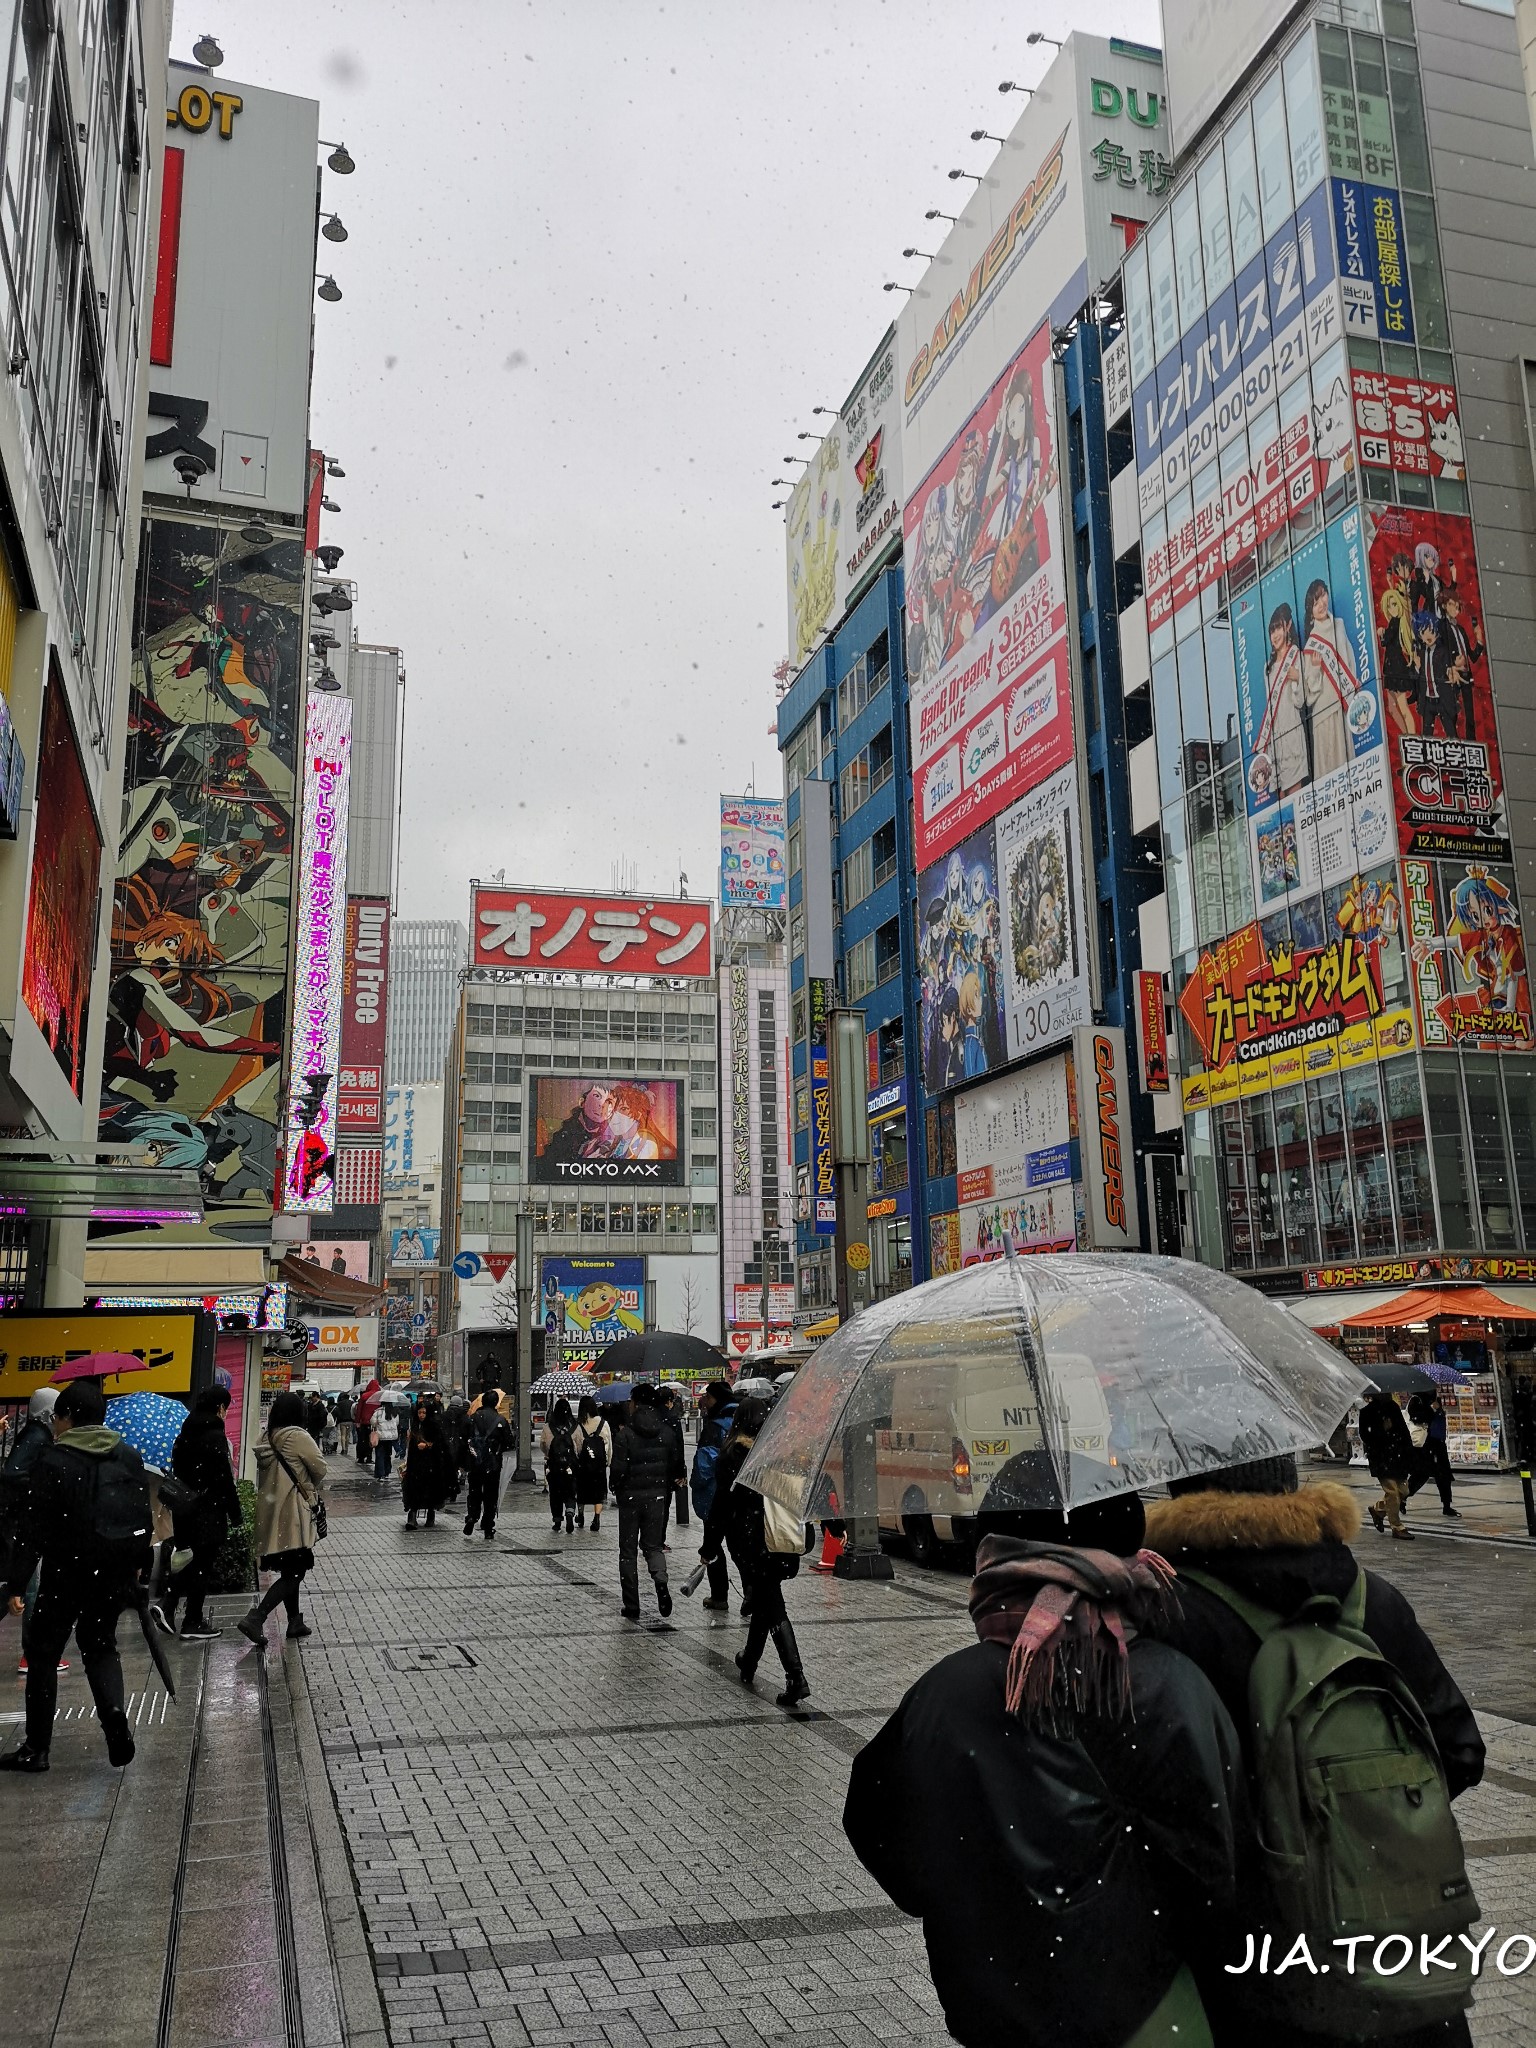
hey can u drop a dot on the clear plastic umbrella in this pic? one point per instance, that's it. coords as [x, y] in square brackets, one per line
[1046, 1382]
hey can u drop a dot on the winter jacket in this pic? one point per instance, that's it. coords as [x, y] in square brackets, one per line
[594, 1455]
[427, 1478]
[487, 1430]
[343, 1407]
[200, 1457]
[32, 1440]
[737, 1516]
[1061, 1881]
[55, 1518]
[1278, 1550]
[285, 1507]
[647, 1458]
[387, 1424]
[1384, 1438]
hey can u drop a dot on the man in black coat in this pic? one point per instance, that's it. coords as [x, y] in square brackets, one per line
[1388, 1449]
[1066, 1865]
[487, 1440]
[32, 1439]
[200, 1459]
[717, 1411]
[1277, 1546]
[647, 1468]
[91, 1529]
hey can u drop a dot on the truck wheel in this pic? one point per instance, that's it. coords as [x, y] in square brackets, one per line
[922, 1544]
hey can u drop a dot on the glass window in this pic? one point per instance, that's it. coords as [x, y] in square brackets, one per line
[1442, 1084]
[1177, 881]
[1341, 117]
[1298, 1209]
[1269, 1239]
[27, 57]
[1273, 154]
[1170, 738]
[676, 1219]
[1485, 1120]
[1204, 1191]
[1205, 864]
[621, 1219]
[648, 1219]
[1424, 275]
[1165, 312]
[1335, 1194]
[1242, 191]
[1215, 235]
[1221, 690]
[1408, 117]
[1378, 151]
[1232, 1163]
[1303, 118]
[1368, 1161]
[1520, 1097]
[1138, 313]
[594, 1218]
[704, 1219]
[1187, 265]
[1192, 705]
[1236, 866]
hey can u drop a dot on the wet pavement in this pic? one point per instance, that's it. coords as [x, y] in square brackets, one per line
[478, 1808]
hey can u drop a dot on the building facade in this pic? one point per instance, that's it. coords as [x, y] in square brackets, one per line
[428, 958]
[756, 1242]
[1329, 511]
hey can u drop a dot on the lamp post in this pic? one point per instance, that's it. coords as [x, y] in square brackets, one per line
[524, 1469]
[863, 1557]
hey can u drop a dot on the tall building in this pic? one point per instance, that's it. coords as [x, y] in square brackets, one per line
[1325, 517]
[84, 146]
[960, 857]
[587, 1093]
[426, 964]
[756, 1238]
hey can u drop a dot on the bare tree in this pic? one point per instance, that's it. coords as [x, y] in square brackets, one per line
[690, 1315]
[503, 1307]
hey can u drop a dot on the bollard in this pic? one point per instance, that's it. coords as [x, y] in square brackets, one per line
[1530, 1498]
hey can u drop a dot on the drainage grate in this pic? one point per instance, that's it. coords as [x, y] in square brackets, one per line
[431, 1657]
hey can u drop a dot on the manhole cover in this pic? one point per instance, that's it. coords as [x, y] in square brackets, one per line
[431, 1657]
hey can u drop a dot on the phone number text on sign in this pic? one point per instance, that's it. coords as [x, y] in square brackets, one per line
[1017, 731]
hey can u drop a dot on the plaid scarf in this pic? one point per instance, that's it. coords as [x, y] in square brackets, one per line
[1065, 1613]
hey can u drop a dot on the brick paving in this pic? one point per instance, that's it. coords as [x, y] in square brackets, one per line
[477, 1808]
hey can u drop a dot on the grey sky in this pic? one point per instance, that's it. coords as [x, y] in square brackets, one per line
[604, 259]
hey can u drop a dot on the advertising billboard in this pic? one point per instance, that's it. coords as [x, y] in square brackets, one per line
[1152, 1031]
[234, 294]
[346, 1340]
[588, 1304]
[1111, 1217]
[314, 1056]
[1044, 945]
[1466, 948]
[417, 1246]
[350, 1258]
[1311, 719]
[1207, 44]
[990, 710]
[747, 1303]
[1373, 271]
[615, 1131]
[813, 545]
[364, 995]
[752, 853]
[60, 955]
[820, 1000]
[1013, 1136]
[1410, 424]
[960, 960]
[413, 1128]
[174, 1347]
[871, 424]
[198, 1002]
[1448, 779]
[590, 933]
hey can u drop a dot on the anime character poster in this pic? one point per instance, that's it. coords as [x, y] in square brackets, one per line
[1466, 949]
[612, 1131]
[813, 535]
[588, 1304]
[61, 910]
[991, 711]
[1039, 863]
[1309, 708]
[198, 1000]
[960, 953]
[1447, 777]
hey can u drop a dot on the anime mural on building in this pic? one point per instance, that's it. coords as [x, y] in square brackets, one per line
[61, 909]
[1467, 951]
[1448, 780]
[960, 953]
[1309, 707]
[200, 953]
[1046, 980]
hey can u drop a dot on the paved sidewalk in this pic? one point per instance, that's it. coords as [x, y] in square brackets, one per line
[477, 1808]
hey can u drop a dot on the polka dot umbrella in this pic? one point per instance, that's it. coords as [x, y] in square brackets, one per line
[150, 1422]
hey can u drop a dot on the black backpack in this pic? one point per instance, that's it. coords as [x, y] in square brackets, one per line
[486, 1444]
[562, 1451]
[594, 1459]
[117, 1527]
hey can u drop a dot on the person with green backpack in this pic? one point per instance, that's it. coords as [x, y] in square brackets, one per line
[1356, 1740]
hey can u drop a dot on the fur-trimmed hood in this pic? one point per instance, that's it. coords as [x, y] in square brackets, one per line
[1326, 1512]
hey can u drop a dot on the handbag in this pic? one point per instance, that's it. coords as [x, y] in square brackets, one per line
[316, 1506]
[784, 1534]
[177, 1495]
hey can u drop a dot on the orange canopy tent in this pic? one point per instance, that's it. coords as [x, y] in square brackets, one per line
[1431, 1304]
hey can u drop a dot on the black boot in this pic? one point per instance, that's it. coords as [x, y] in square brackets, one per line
[798, 1686]
[410, 1520]
[431, 1518]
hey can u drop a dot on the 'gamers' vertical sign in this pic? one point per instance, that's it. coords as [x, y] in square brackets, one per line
[314, 1052]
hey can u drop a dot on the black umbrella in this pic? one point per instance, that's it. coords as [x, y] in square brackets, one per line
[1394, 1378]
[140, 1601]
[663, 1354]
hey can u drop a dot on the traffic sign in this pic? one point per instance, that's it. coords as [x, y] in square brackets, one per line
[467, 1264]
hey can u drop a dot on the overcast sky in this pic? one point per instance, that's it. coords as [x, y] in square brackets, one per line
[604, 258]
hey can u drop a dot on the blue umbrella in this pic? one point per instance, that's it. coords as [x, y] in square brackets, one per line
[616, 1390]
[150, 1422]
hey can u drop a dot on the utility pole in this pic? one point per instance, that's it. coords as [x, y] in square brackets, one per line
[524, 1467]
[863, 1558]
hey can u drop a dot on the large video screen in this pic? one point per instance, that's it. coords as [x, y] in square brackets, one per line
[612, 1132]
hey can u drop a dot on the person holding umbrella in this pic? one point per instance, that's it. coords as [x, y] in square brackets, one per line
[87, 1518]
[200, 1460]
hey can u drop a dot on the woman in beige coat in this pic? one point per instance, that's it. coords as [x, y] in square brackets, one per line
[292, 1472]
